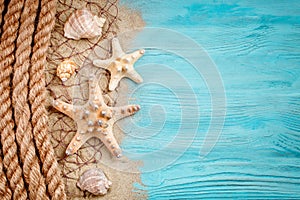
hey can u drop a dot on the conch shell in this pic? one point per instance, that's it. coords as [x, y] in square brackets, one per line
[94, 181]
[83, 24]
[66, 69]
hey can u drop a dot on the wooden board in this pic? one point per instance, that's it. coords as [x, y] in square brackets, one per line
[256, 50]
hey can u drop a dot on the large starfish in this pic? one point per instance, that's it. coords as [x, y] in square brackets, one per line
[95, 119]
[120, 65]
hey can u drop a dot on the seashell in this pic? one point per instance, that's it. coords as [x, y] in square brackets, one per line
[83, 24]
[66, 69]
[94, 181]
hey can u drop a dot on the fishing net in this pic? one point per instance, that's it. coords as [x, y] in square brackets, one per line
[75, 90]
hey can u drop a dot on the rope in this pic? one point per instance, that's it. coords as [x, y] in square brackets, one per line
[24, 135]
[37, 99]
[2, 6]
[5, 192]
[9, 146]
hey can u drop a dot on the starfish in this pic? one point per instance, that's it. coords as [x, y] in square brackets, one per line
[120, 65]
[95, 119]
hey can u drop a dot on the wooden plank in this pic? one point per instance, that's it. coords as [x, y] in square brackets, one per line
[256, 49]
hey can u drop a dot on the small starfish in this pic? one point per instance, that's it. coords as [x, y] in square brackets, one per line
[120, 65]
[95, 119]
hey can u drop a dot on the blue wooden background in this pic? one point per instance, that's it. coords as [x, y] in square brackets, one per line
[256, 48]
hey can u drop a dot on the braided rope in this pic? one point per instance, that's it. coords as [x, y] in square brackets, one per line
[31, 167]
[5, 192]
[9, 146]
[2, 5]
[38, 100]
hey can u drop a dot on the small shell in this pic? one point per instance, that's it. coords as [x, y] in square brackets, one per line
[66, 69]
[83, 24]
[94, 181]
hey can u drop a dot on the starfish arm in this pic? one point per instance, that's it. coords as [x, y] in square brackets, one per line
[133, 75]
[114, 81]
[110, 142]
[78, 140]
[116, 48]
[136, 55]
[125, 111]
[102, 63]
[95, 92]
[63, 107]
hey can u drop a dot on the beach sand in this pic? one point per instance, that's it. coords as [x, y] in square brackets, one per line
[122, 172]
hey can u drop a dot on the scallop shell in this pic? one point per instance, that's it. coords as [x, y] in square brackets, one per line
[66, 69]
[83, 24]
[94, 181]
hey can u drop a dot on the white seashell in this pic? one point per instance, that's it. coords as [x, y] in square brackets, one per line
[94, 181]
[66, 69]
[83, 24]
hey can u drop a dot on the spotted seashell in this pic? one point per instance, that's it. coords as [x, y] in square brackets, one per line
[66, 69]
[94, 181]
[83, 24]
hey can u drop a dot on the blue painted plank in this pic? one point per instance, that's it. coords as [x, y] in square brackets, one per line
[256, 48]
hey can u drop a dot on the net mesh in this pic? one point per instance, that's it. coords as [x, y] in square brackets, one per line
[75, 90]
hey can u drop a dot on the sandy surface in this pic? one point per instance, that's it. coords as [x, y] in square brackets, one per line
[122, 172]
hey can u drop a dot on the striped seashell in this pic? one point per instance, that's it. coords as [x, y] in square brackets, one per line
[94, 181]
[66, 69]
[83, 24]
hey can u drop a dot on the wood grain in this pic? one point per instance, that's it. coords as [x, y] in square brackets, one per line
[255, 47]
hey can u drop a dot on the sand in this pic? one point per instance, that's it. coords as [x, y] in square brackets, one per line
[123, 173]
